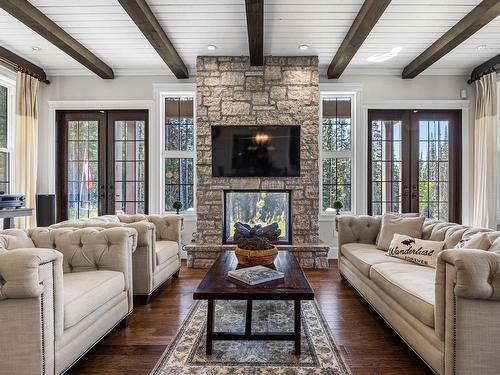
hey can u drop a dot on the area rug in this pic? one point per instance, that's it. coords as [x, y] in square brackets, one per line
[186, 354]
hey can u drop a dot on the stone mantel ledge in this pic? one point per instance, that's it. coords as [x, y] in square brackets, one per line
[309, 256]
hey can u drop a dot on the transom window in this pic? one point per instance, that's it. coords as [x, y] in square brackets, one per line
[179, 153]
[336, 151]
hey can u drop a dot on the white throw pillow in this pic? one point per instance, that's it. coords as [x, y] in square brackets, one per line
[392, 224]
[422, 252]
[480, 241]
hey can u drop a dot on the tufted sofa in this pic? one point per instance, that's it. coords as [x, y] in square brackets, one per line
[449, 315]
[61, 291]
[157, 257]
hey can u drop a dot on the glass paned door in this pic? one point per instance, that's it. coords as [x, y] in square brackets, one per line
[81, 181]
[414, 162]
[436, 164]
[127, 193]
[102, 163]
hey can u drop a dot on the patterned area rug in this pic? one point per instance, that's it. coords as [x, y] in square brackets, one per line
[186, 354]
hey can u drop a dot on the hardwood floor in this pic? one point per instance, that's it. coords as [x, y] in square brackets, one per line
[368, 344]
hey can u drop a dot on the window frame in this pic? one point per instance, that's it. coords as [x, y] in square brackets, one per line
[176, 154]
[324, 154]
[10, 84]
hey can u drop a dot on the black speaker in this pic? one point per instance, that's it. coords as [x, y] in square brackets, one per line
[45, 210]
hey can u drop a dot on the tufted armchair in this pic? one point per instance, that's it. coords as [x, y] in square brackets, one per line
[447, 315]
[61, 291]
[157, 257]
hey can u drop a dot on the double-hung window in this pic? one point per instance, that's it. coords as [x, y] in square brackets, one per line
[179, 152]
[336, 151]
[6, 118]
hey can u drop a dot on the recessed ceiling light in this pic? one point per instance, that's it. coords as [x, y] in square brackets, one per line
[211, 47]
[381, 57]
[303, 47]
[35, 48]
[481, 47]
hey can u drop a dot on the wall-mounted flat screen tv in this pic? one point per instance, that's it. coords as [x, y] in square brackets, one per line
[256, 151]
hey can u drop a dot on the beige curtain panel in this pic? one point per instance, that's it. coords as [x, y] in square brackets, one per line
[485, 145]
[26, 142]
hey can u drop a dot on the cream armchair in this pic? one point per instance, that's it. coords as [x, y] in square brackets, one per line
[61, 291]
[157, 257]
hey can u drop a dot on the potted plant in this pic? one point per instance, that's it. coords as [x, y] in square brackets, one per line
[338, 206]
[177, 205]
[254, 245]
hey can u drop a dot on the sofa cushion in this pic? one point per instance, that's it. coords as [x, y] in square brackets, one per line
[166, 250]
[392, 224]
[410, 285]
[85, 292]
[363, 256]
[415, 250]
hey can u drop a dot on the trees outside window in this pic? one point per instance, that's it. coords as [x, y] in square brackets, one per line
[179, 153]
[336, 152]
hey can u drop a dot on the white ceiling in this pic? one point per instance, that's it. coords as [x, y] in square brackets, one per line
[106, 30]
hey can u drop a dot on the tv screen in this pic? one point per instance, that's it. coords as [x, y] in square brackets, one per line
[256, 151]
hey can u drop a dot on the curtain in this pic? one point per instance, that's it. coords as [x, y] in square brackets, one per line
[26, 152]
[485, 140]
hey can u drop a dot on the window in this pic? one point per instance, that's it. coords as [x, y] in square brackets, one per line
[336, 151]
[5, 146]
[179, 152]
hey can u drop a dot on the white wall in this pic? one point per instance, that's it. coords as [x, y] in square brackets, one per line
[372, 89]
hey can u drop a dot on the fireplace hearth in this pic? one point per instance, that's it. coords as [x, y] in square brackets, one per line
[253, 207]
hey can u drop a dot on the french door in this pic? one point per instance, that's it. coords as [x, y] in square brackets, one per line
[101, 163]
[415, 162]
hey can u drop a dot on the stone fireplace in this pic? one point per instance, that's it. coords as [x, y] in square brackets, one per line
[282, 92]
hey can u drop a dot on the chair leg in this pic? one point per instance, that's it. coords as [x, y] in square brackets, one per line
[124, 322]
[176, 275]
[142, 299]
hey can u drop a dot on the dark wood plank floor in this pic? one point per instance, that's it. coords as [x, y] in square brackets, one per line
[368, 344]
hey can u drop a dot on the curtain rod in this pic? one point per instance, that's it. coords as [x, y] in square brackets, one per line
[18, 68]
[490, 66]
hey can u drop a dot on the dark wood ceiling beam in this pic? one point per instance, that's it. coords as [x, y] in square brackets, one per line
[18, 63]
[255, 29]
[40, 23]
[490, 66]
[367, 17]
[143, 17]
[480, 16]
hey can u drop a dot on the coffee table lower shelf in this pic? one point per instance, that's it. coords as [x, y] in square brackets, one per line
[248, 335]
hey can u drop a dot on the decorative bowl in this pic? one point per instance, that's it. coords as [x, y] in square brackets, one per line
[256, 257]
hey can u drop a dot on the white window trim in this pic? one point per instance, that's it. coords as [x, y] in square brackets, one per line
[10, 84]
[354, 92]
[163, 91]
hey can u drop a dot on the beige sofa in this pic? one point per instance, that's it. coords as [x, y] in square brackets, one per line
[61, 291]
[449, 315]
[157, 257]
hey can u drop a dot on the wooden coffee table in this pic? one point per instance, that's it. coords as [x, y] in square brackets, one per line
[217, 286]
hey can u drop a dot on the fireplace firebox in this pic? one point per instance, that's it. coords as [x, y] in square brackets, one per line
[257, 207]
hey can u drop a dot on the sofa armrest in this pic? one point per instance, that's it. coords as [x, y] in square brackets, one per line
[362, 229]
[477, 272]
[168, 227]
[31, 310]
[20, 274]
[466, 310]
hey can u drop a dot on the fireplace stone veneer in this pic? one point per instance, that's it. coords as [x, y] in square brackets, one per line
[284, 91]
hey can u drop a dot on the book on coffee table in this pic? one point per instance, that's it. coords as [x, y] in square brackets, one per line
[255, 275]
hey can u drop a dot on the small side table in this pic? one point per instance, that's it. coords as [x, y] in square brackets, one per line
[8, 215]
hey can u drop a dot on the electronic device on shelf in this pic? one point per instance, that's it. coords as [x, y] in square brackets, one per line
[12, 200]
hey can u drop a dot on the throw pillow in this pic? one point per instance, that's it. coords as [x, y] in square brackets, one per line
[415, 250]
[480, 241]
[392, 224]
